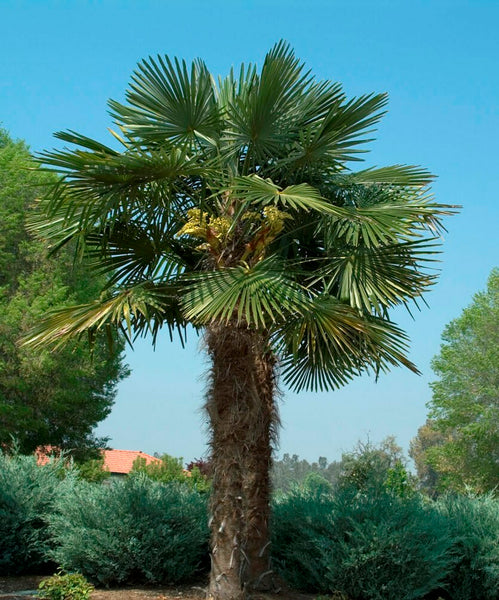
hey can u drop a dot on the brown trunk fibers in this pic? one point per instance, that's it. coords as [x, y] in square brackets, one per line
[243, 423]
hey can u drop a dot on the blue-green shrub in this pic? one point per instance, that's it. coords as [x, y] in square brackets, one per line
[301, 538]
[371, 546]
[473, 524]
[131, 530]
[27, 495]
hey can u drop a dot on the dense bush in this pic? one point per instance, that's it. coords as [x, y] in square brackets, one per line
[169, 468]
[71, 586]
[371, 546]
[93, 470]
[473, 523]
[131, 530]
[370, 543]
[375, 467]
[27, 495]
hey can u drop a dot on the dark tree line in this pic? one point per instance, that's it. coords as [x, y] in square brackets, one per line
[46, 398]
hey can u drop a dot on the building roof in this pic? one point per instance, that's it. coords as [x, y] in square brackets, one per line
[116, 461]
[121, 461]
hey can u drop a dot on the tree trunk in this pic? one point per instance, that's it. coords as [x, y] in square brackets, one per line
[243, 422]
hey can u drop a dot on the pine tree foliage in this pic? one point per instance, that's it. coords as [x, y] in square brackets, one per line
[291, 471]
[46, 398]
[473, 524]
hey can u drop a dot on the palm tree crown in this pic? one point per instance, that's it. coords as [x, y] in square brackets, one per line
[232, 201]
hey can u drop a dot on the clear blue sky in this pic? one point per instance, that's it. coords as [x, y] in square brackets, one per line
[438, 60]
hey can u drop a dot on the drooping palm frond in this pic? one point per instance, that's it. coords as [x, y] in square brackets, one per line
[374, 279]
[135, 251]
[56, 230]
[97, 183]
[332, 343]
[135, 311]
[403, 218]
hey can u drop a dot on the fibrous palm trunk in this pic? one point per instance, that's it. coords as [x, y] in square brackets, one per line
[243, 418]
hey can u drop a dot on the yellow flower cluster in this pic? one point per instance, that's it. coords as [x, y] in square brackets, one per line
[220, 227]
[195, 225]
[200, 225]
[275, 219]
[214, 230]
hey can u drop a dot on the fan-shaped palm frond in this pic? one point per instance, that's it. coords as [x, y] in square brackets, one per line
[258, 117]
[257, 296]
[253, 190]
[327, 143]
[331, 343]
[97, 185]
[394, 217]
[398, 175]
[375, 279]
[345, 126]
[135, 311]
[169, 101]
[136, 251]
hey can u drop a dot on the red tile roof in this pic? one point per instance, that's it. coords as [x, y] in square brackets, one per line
[116, 461]
[121, 461]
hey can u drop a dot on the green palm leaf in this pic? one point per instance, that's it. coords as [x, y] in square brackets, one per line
[335, 138]
[399, 175]
[134, 251]
[169, 101]
[257, 297]
[346, 125]
[99, 187]
[254, 190]
[376, 278]
[401, 218]
[257, 118]
[331, 343]
[134, 311]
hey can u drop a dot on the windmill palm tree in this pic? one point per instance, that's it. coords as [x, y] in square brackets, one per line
[230, 207]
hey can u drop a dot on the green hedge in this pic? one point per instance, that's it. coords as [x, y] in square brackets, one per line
[369, 546]
[473, 524]
[130, 531]
[27, 496]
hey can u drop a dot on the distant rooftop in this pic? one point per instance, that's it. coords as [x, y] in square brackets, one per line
[121, 461]
[116, 461]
